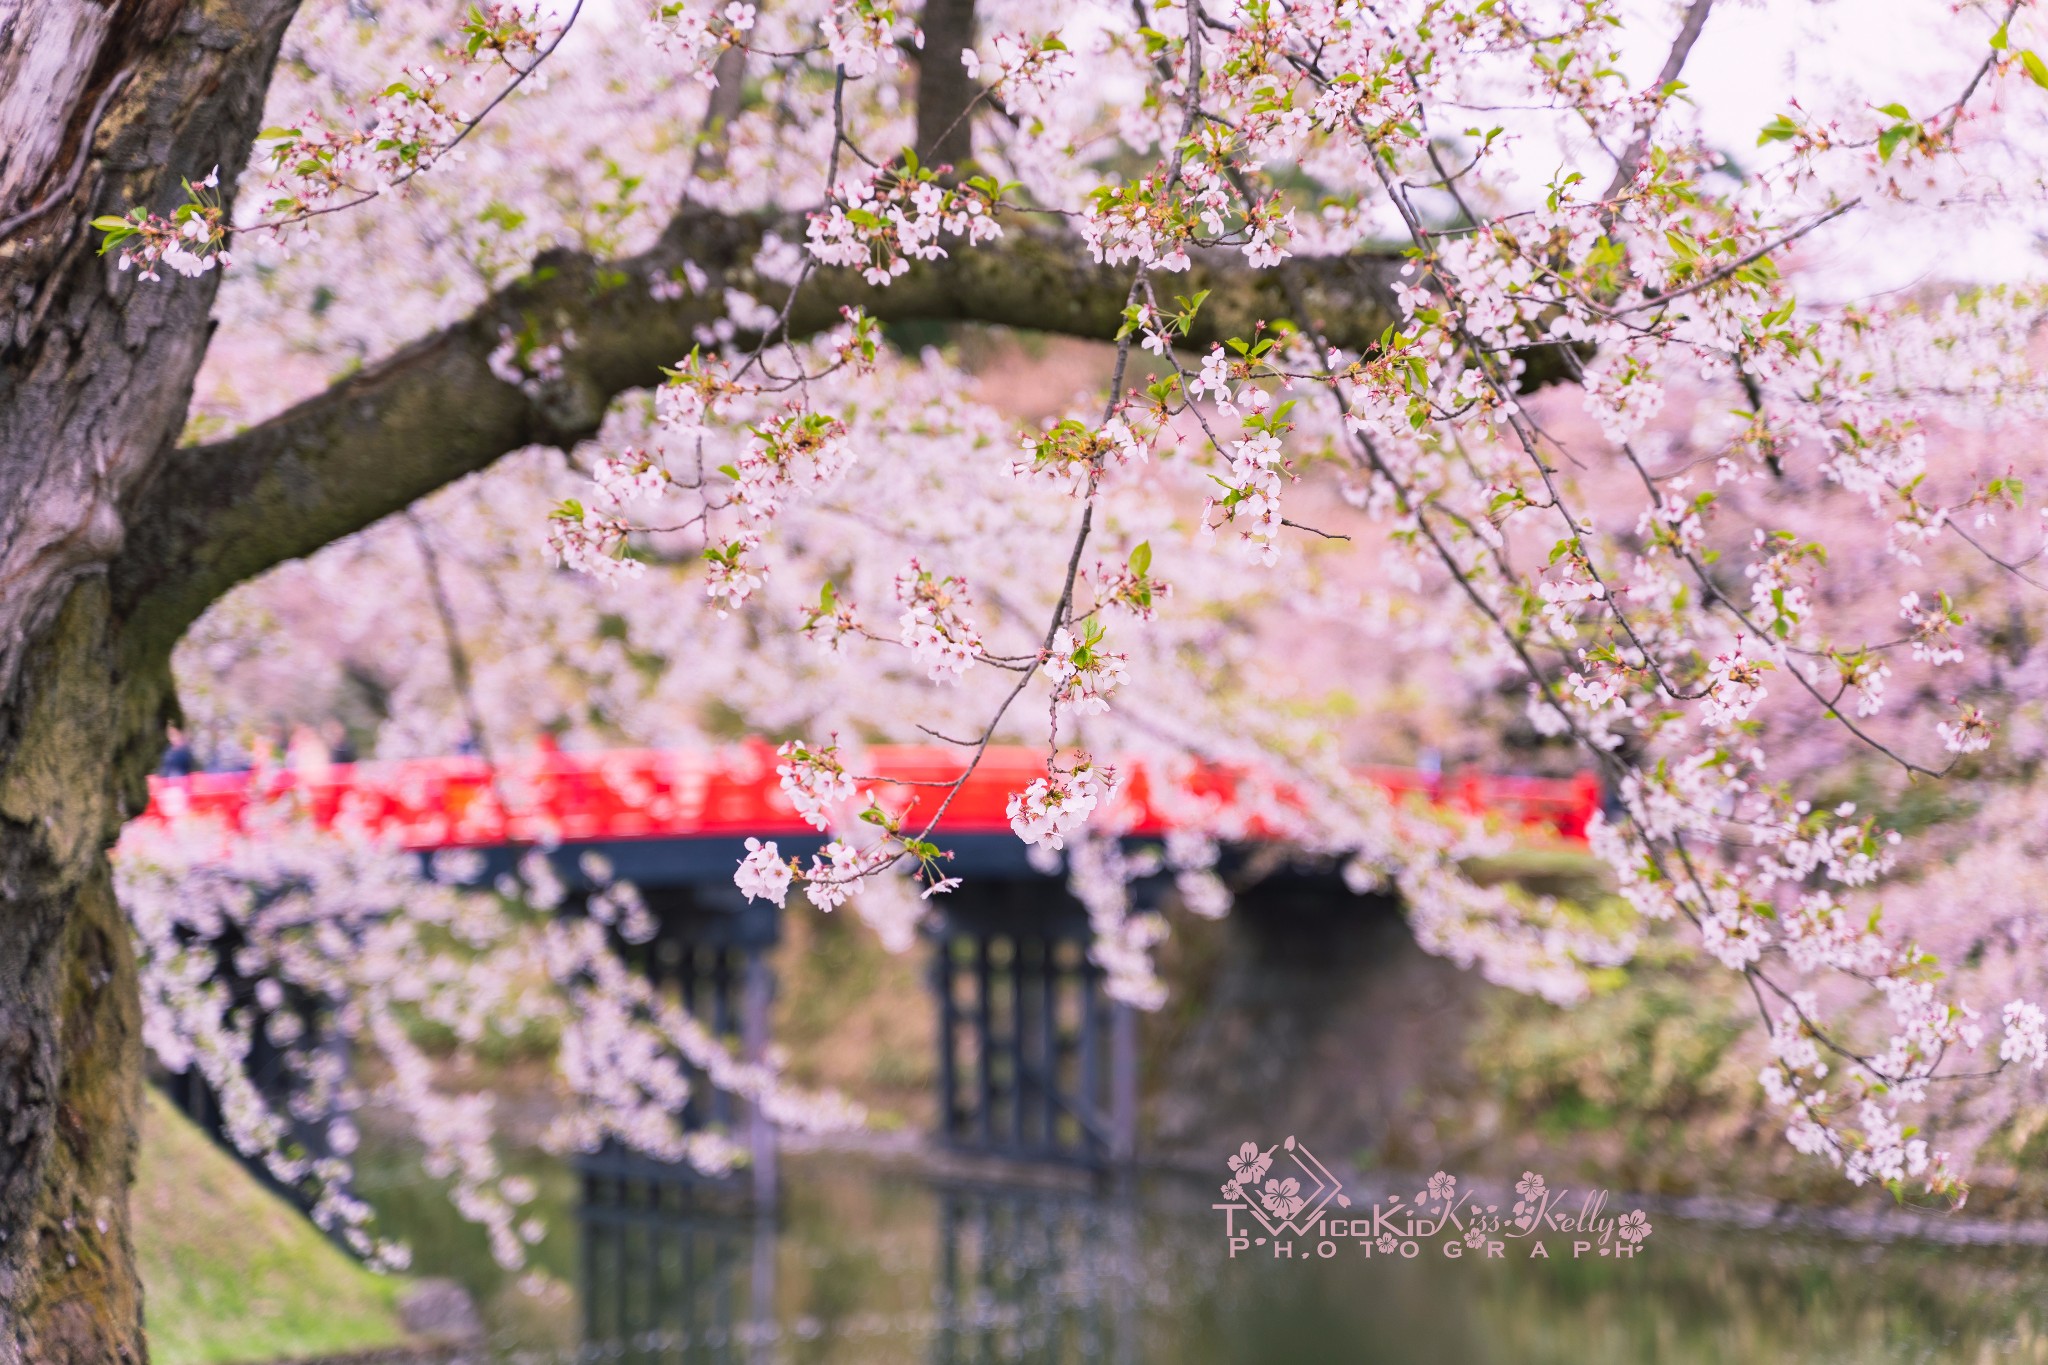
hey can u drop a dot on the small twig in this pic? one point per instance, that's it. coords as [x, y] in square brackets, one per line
[1326, 535]
[963, 743]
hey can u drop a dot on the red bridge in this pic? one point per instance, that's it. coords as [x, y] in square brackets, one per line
[1034, 1060]
[549, 796]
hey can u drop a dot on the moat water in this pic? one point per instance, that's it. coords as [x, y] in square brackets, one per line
[858, 1264]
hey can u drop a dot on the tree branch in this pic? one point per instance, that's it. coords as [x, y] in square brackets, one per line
[219, 513]
[1674, 64]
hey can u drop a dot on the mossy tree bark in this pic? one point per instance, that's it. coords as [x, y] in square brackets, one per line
[102, 105]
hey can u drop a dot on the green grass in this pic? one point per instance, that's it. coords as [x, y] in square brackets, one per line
[1571, 873]
[231, 1272]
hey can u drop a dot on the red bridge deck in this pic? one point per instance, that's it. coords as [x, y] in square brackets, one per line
[549, 795]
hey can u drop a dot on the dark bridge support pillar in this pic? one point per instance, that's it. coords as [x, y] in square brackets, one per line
[1123, 1084]
[758, 998]
[709, 954]
[1035, 1062]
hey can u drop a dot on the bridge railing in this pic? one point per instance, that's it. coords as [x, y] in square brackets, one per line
[549, 796]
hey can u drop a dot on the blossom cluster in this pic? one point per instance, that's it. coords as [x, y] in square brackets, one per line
[933, 627]
[1614, 471]
[1053, 807]
[879, 223]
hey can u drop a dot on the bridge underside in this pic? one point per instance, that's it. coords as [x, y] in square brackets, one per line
[1035, 1063]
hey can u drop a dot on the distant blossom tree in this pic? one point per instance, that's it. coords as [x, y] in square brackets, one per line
[1433, 275]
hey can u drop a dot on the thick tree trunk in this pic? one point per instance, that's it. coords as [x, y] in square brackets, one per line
[70, 1040]
[945, 92]
[102, 106]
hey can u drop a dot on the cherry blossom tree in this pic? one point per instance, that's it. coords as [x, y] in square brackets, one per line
[1424, 274]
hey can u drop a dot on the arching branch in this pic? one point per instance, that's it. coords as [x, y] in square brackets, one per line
[219, 513]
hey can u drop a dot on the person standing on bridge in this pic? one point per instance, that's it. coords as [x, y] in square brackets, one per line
[178, 760]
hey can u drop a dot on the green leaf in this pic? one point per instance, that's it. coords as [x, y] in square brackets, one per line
[2036, 68]
[1141, 559]
[2000, 38]
[1779, 129]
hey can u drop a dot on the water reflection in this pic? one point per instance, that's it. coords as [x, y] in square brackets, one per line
[1028, 1275]
[675, 1271]
[682, 1271]
[861, 1267]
